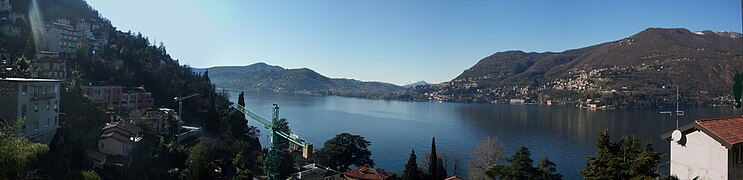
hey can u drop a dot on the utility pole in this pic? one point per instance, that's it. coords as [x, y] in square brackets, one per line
[180, 117]
[678, 112]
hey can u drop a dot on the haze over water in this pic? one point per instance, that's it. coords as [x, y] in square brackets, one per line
[564, 134]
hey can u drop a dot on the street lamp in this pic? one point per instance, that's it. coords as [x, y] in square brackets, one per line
[678, 112]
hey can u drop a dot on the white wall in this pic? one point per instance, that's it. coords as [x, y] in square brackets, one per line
[701, 156]
[111, 146]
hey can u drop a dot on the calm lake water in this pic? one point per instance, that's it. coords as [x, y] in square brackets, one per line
[564, 134]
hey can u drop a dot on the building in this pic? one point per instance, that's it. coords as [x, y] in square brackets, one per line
[97, 160]
[708, 149]
[34, 100]
[103, 97]
[454, 178]
[119, 138]
[136, 98]
[366, 173]
[59, 37]
[316, 172]
[5, 6]
[51, 66]
[155, 119]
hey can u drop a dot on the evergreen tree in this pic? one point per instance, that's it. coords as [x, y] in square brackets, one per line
[546, 169]
[522, 168]
[241, 99]
[621, 160]
[412, 171]
[436, 169]
[345, 150]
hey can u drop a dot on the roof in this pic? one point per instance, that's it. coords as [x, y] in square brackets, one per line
[124, 126]
[366, 173]
[728, 131]
[30, 80]
[95, 155]
[454, 178]
[115, 135]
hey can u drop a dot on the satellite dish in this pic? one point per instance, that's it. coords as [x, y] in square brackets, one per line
[676, 135]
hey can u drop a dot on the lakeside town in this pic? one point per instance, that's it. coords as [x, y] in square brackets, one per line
[80, 99]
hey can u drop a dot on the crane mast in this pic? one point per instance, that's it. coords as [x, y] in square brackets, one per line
[276, 133]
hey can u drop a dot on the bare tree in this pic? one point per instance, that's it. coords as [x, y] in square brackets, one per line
[484, 156]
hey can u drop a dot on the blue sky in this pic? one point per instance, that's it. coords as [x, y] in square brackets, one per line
[396, 41]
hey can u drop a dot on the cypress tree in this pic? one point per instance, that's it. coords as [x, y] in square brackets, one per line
[436, 168]
[412, 172]
[241, 99]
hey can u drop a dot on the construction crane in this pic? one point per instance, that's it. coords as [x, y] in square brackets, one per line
[276, 133]
[180, 109]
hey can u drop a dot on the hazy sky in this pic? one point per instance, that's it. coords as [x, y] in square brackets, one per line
[396, 41]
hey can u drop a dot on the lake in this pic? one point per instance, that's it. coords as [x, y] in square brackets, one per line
[564, 134]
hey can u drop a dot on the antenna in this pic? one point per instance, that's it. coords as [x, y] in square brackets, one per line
[678, 112]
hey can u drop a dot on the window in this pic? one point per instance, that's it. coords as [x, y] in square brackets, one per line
[23, 110]
[56, 123]
[36, 107]
[24, 89]
[102, 146]
[739, 157]
[48, 105]
[36, 125]
[23, 129]
[55, 104]
[47, 122]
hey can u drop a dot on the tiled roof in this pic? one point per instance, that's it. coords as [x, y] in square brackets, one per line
[127, 127]
[728, 129]
[454, 178]
[116, 135]
[95, 155]
[365, 173]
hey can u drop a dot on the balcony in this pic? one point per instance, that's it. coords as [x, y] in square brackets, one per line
[37, 96]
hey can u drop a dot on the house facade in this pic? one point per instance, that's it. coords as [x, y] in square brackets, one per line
[708, 149]
[36, 101]
[119, 138]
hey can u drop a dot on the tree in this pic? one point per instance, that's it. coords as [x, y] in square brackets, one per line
[16, 153]
[235, 124]
[485, 155]
[546, 169]
[522, 168]
[198, 162]
[241, 99]
[283, 126]
[436, 169]
[412, 171]
[90, 175]
[345, 150]
[621, 160]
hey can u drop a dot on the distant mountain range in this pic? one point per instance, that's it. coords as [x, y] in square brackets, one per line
[264, 77]
[627, 72]
[630, 72]
[414, 83]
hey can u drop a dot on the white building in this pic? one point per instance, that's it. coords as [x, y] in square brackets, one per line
[119, 138]
[708, 149]
[36, 101]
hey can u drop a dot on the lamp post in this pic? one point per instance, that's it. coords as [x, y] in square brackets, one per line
[678, 112]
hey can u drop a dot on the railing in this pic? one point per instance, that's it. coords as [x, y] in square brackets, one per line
[44, 95]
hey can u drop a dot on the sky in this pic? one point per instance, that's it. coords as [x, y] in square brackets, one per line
[396, 41]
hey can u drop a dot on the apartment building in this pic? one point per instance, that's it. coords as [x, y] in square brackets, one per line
[36, 102]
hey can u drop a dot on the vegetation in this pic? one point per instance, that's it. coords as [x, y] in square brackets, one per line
[412, 171]
[345, 150]
[198, 162]
[621, 160]
[485, 155]
[522, 168]
[90, 175]
[436, 169]
[17, 153]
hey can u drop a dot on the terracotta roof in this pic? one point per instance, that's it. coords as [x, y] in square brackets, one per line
[453, 178]
[95, 155]
[366, 173]
[728, 131]
[128, 128]
[116, 135]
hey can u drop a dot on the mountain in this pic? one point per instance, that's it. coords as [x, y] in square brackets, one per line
[413, 83]
[626, 72]
[264, 77]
